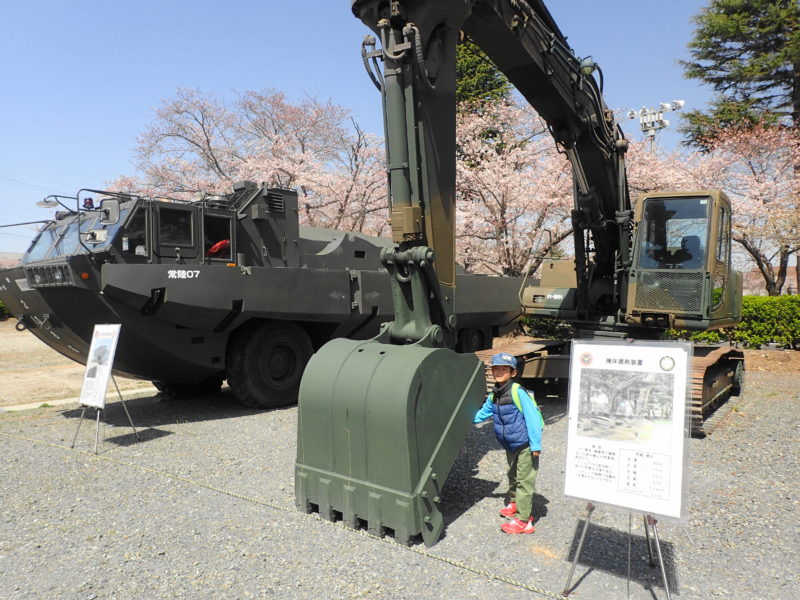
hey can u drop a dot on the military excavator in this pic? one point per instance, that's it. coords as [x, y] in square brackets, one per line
[381, 421]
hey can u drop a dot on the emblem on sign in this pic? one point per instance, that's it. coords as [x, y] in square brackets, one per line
[667, 363]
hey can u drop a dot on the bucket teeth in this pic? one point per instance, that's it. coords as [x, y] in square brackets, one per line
[377, 531]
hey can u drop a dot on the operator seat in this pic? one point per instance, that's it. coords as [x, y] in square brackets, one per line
[690, 254]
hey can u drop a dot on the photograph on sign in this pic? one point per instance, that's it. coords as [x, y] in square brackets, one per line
[99, 365]
[627, 431]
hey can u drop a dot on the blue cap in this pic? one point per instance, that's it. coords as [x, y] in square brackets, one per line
[504, 359]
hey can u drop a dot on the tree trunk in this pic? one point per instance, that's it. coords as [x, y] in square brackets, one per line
[773, 282]
[797, 274]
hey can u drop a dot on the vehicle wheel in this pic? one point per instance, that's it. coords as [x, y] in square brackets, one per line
[265, 364]
[471, 339]
[738, 378]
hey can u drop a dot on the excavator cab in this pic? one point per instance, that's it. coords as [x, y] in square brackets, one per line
[682, 275]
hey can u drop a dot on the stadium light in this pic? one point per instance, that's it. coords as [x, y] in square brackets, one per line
[652, 120]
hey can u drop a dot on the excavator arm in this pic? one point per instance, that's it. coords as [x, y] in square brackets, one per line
[526, 45]
[418, 47]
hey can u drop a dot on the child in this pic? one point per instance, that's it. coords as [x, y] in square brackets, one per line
[518, 425]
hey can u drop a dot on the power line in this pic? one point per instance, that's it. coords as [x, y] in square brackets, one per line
[28, 184]
[27, 237]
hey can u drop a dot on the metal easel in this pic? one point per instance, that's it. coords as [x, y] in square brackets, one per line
[99, 410]
[649, 522]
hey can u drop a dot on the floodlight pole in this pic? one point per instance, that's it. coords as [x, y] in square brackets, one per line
[652, 120]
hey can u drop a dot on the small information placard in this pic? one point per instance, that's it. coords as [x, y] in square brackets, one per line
[628, 429]
[99, 365]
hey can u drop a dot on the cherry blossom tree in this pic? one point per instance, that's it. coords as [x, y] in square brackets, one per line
[193, 142]
[651, 168]
[513, 190]
[761, 173]
[197, 142]
[351, 192]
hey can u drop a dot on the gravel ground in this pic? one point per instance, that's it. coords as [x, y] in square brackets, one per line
[203, 507]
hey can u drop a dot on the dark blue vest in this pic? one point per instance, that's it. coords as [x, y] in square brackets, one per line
[509, 423]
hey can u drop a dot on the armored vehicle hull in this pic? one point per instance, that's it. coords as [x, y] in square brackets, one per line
[253, 313]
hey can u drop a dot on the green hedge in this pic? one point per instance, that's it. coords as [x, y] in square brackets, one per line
[4, 311]
[765, 320]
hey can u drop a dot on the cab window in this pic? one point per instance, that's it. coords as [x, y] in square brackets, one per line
[175, 227]
[674, 233]
[134, 235]
[217, 239]
[723, 239]
[723, 257]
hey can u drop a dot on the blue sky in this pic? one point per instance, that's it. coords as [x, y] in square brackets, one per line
[80, 77]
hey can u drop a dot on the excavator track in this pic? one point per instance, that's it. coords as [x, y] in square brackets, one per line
[542, 363]
[717, 374]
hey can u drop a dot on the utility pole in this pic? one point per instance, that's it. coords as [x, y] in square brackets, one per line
[652, 120]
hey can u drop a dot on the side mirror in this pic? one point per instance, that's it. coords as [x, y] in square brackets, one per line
[97, 236]
[109, 211]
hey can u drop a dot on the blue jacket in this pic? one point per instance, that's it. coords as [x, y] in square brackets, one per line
[514, 429]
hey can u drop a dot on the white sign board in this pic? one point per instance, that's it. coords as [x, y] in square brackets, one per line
[99, 365]
[628, 425]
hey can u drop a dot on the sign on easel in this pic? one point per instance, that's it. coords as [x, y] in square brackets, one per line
[627, 440]
[99, 365]
[628, 431]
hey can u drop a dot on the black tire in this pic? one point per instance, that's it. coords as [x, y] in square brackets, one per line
[265, 364]
[471, 339]
[209, 387]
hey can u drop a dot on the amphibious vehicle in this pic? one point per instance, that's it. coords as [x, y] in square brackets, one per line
[227, 287]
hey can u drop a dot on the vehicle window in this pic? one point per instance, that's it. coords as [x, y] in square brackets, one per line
[723, 244]
[674, 233]
[69, 243]
[723, 253]
[217, 237]
[134, 235]
[41, 245]
[174, 227]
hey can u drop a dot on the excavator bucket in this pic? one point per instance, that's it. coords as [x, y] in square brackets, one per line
[379, 427]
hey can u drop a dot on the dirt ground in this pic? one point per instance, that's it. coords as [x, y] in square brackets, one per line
[33, 372]
[781, 361]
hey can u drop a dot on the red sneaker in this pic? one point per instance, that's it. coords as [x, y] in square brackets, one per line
[516, 526]
[509, 511]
